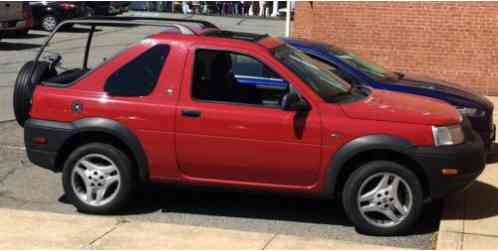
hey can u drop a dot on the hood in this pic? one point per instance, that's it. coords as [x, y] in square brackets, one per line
[402, 108]
[460, 91]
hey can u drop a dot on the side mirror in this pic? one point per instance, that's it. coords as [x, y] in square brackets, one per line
[293, 102]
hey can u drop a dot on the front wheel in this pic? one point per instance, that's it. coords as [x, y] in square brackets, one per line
[383, 198]
[97, 178]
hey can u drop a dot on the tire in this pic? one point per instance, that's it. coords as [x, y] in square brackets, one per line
[49, 22]
[365, 183]
[21, 33]
[24, 88]
[118, 192]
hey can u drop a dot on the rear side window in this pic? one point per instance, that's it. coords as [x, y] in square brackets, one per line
[139, 76]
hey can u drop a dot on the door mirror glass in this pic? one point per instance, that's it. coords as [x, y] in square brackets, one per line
[293, 102]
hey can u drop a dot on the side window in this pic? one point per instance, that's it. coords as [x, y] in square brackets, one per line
[233, 77]
[248, 66]
[139, 76]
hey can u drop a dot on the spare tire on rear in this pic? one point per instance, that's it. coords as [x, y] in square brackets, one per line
[25, 86]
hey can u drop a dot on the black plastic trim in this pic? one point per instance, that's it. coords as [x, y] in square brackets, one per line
[355, 147]
[57, 133]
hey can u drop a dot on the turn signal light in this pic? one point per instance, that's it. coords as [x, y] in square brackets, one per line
[449, 172]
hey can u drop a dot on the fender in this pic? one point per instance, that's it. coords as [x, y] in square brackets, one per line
[355, 147]
[60, 133]
[122, 133]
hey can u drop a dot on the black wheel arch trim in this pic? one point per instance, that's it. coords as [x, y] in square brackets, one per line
[357, 146]
[97, 125]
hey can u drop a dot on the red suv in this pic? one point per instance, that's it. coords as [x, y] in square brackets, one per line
[211, 107]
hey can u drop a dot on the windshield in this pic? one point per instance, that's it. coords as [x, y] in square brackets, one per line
[313, 72]
[372, 70]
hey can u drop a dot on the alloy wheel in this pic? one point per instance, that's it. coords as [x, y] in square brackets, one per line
[385, 199]
[95, 179]
[49, 23]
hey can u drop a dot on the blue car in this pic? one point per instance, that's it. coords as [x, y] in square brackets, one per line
[356, 70]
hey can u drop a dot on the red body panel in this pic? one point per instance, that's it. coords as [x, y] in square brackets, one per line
[240, 145]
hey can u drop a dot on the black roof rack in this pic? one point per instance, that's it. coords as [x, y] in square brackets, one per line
[181, 24]
[252, 37]
[204, 23]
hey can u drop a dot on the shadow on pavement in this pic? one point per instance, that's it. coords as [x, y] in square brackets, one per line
[27, 36]
[481, 202]
[78, 30]
[255, 205]
[5, 46]
[493, 154]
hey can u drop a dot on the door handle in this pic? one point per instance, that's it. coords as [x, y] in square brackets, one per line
[191, 113]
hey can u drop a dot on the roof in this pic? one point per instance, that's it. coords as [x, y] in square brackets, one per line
[189, 27]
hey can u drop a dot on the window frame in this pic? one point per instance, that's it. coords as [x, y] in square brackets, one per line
[243, 53]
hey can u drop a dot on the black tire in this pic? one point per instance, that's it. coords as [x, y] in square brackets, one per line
[21, 33]
[49, 22]
[124, 166]
[350, 195]
[25, 86]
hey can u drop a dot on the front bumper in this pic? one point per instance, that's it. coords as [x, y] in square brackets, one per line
[468, 158]
[485, 127]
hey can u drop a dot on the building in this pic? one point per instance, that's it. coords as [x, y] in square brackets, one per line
[454, 41]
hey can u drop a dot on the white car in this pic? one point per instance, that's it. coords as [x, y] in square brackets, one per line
[15, 16]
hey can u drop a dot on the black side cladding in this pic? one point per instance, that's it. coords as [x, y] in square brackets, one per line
[58, 133]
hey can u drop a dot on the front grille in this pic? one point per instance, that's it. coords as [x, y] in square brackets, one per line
[467, 129]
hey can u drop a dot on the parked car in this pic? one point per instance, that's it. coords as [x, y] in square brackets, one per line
[106, 8]
[477, 108]
[15, 17]
[47, 15]
[213, 107]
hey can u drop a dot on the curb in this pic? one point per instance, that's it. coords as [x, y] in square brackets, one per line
[48, 230]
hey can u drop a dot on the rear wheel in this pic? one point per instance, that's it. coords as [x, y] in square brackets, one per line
[383, 198]
[97, 178]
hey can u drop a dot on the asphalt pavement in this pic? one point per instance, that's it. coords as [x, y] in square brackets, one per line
[25, 186]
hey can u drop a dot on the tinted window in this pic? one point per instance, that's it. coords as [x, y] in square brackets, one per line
[233, 77]
[139, 76]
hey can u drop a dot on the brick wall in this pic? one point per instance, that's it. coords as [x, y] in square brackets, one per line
[454, 41]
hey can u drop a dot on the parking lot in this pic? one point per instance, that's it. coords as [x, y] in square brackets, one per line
[24, 186]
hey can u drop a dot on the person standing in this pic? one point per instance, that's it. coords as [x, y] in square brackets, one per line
[186, 8]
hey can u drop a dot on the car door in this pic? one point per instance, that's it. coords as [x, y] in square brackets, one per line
[243, 138]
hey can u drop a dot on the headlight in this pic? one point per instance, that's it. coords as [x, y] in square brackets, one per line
[447, 135]
[471, 112]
